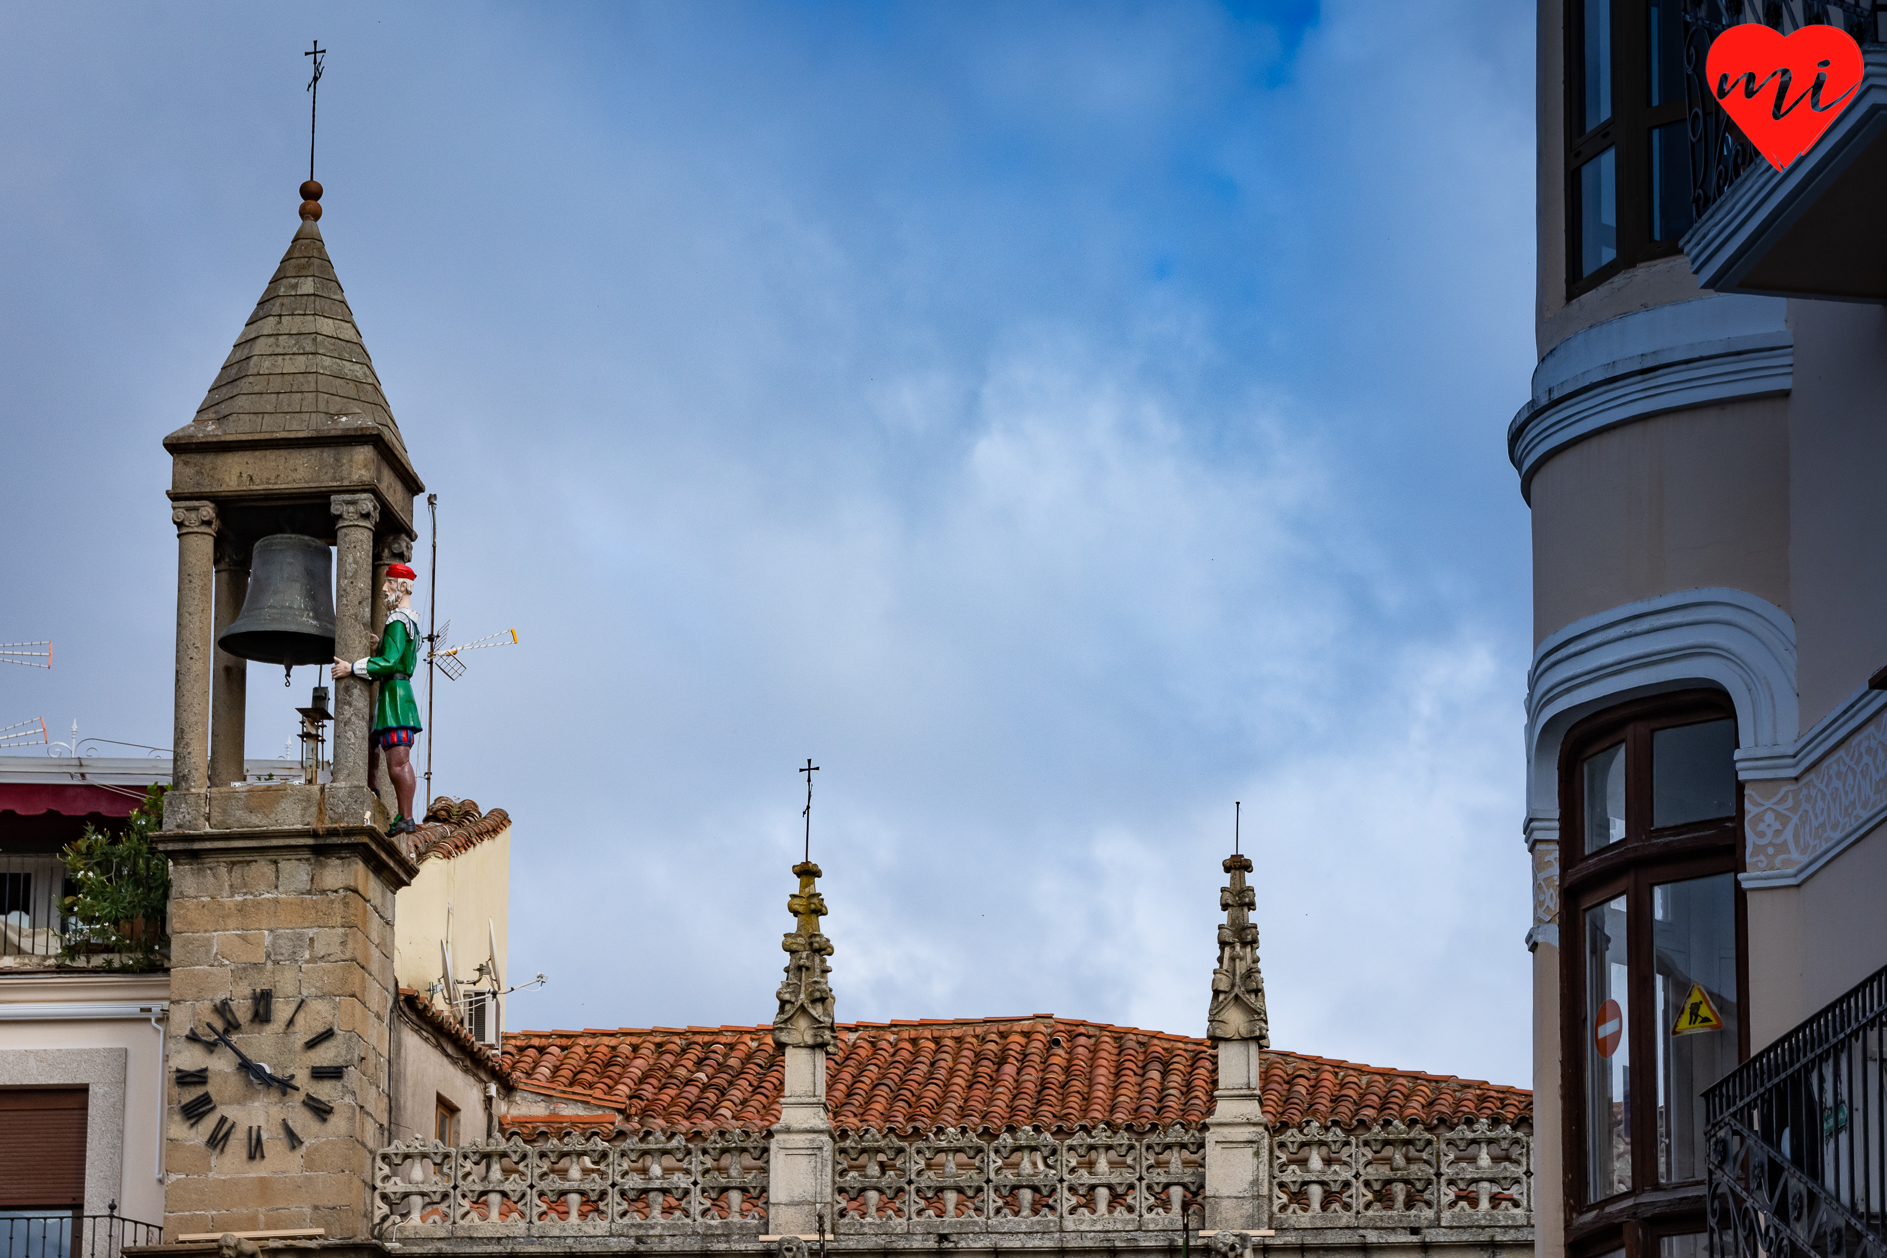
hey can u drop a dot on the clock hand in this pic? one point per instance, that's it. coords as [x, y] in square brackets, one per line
[285, 1082]
[252, 1068]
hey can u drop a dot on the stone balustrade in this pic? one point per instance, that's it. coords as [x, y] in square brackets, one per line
[1109, 1180]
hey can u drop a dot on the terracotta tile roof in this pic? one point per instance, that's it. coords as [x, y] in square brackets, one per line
[991, 1072]
[453, 826]
[452, 1029]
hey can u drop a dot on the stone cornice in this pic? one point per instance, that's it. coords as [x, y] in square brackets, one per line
[1716, 348]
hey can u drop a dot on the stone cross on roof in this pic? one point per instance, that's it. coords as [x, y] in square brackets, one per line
[805, 1019]
[1238, 987]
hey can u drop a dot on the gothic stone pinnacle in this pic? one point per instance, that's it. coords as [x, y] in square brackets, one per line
[1238, 987]
[805, 1018]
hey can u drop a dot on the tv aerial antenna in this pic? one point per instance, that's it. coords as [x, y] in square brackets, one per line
[441, 658]
[25, 654]
[25, 733]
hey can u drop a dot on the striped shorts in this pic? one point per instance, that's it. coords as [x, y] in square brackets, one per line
[394, 736]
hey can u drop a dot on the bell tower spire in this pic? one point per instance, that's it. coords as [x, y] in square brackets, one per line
[1237, 1140]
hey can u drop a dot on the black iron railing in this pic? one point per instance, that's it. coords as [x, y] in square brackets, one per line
[32, 892]
[54, 1234]
[1798, 1139]
[1718, 151]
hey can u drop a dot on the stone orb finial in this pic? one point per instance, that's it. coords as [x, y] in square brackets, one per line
[311, 200]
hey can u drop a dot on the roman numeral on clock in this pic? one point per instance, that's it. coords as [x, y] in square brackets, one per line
[227, 1012]
[319, 1106]
[320, 1037]
[327, 1072]
[218, 1139]
[255, 1143]
[193, 1078]
[294, 1013]
[261, 1004]
[197, 1107]
[294, 1140]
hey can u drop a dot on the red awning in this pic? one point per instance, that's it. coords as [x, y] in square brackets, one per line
[70, 799]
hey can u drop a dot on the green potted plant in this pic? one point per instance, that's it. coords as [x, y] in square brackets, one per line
[122, 885]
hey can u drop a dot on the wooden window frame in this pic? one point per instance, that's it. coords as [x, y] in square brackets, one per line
[1628, 131]
[1637, 1219]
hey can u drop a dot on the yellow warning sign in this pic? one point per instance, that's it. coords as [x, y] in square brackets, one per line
[1697, 1013]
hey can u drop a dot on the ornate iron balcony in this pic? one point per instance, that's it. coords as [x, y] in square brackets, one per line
[1797, 1139]
[1718, 151]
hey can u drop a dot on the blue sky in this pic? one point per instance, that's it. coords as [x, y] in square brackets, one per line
[1059, 421]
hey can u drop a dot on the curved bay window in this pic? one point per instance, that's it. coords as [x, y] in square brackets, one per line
[1652, 966]
[1628, 159]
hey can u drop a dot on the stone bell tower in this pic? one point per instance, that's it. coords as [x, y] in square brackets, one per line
[281, 893]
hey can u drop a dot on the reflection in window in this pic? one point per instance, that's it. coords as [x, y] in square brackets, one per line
[1665, 49]
[1608, 1054]
[1670, 182]
[1598, 212]
[1598, 61]
[1693, 942]
[42, 1233]
[1693, 773]
[1605, 798]
[1689, 1245]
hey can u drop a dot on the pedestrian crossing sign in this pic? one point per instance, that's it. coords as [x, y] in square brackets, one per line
[1697, 1013]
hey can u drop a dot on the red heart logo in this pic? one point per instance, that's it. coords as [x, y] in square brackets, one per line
[1784, 92]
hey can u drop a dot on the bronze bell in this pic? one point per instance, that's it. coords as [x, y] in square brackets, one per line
[288, 615]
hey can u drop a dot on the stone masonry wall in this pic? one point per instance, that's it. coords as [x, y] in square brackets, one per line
[308, 926]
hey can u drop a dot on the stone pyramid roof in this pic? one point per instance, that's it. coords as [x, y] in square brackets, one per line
[299, 368]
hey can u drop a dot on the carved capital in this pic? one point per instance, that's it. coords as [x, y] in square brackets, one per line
[355, 511]
[395, 549]
[194, 517]
[1238, 1011]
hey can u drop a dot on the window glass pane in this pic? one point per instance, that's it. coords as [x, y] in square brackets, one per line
[41, 1233]
[1670, 182]
[1597, 103]
[1605, 798]
[1666, 48]
[1693, 773]
[1693, 941]
[1608, 1054]
[1689, 1245]
[1598, 212]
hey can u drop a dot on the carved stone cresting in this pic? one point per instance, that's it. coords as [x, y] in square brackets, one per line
[355, 510]
[193, 517]
[1794, 825]
[805, 1019]
[1238, 988]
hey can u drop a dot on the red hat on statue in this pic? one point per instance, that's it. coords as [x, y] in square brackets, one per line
[400, 570]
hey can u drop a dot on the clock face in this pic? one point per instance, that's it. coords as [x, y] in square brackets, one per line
[284, 1066]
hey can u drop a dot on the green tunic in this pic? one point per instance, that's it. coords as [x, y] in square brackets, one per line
[393, 668]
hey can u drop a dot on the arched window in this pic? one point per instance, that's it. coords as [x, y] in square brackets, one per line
[1652, 966]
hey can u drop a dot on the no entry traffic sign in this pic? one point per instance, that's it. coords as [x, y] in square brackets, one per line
[1610, 1028]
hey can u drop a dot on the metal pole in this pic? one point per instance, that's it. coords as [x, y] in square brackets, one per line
[432, 636]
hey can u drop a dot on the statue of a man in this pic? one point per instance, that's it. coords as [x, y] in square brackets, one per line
[395, 714]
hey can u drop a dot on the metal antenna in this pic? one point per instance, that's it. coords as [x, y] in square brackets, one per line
[314, 94]
[432, 617]
[1236, 806]
[809, 770]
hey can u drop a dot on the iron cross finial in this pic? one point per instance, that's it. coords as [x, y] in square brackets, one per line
[314, 94]
[1236, 807]
[809, 770]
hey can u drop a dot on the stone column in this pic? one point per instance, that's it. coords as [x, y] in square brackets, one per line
[799, 1157]
[355, 516]
[229, 696]
[186, 807]
[1238, 1144]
